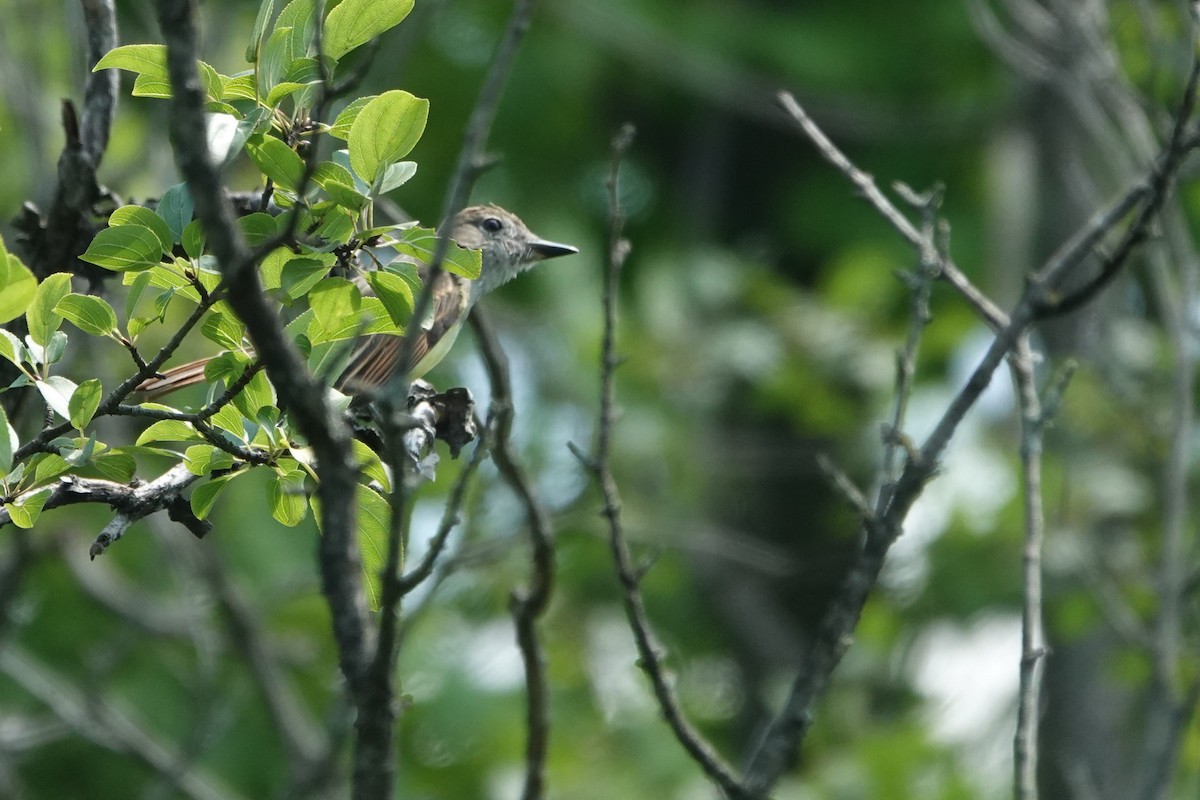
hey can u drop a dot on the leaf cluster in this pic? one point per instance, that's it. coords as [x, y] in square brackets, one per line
[336, 274]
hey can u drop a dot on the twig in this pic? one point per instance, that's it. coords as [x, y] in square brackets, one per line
[450, 514]
[67, 232]
[650, 653]
[990, 312]
[1033, 422]
[932, 254]
[526, 606]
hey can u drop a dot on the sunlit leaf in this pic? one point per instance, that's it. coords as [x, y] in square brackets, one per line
[89, 313]
[138, 215]
[386, 130]
[84, 402]
[277, 161]
[355, 22]
[43, 319]
[286, 497]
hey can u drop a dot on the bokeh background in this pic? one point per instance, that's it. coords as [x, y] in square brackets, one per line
[759, 321]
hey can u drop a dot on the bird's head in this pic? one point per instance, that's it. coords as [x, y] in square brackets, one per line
[507, 244]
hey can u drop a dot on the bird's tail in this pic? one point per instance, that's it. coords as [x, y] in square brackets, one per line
[175, 378]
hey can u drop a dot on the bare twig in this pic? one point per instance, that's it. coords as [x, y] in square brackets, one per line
[302, 740]
[650, 653]
[932, 253]
[450, 514]
[1032, 639]
[865, 184]
[526, 606]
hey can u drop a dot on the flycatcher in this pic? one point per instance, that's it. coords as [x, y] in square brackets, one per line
[508, 248]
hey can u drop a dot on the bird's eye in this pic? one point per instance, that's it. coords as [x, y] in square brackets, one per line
[491, 224]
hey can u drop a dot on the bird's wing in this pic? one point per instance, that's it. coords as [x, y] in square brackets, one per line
[375, 358]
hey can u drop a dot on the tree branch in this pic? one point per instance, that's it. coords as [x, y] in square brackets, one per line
[338, 553]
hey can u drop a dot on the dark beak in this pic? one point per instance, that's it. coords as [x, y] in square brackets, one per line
[543, 249]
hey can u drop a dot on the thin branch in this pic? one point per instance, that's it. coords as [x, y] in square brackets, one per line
[526, 606]
[865, 184]
[450, 514]
[303, 741]
[932, 253]
[378, 716]
[651, 657]
[1033, 422]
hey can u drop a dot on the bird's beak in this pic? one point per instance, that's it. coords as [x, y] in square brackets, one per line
[544, 249]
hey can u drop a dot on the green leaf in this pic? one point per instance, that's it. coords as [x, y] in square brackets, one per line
[128, 247]
[257, 227]
[420, 244]
[54, 351]
[193, 240]
[374, 515]
[277, 161]
[203, 459]
[223, 328]
[57, 391]
[337, 226]
[137, 215]
[115, 466]
[25, 513]
[48, 466]
[300, 274]
[8, 444]
[276, 55]
[286, 497]
[396, 175]
[151, 86]
[169, 430]
[345, 120]
[301, 17]
[370, 464]
[145, 59]
[17, 286]
[241, 87]
[230, 420]
[11, 348]
[176, 207]
[260, 30]
[395, 293]
[88, 313]
[256, 395]
[136, 287]
[84, 402]
[214, 86]
[355, 22]
[43, 320]
[333, 301]
[283, 89]
[206, 494]
[386, 130]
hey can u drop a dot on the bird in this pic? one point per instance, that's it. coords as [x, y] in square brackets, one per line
[508, 248]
